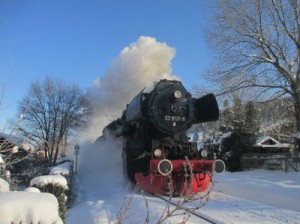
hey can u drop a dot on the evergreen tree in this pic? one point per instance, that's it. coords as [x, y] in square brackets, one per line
[227, 118]
[239, 114]
[245, 124]
[252, 120]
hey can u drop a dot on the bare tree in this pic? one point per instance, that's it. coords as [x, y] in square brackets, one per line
[51, 111]
[258, 44]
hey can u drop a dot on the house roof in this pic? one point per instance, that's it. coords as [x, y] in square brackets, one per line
[17, 142]
[269, 142]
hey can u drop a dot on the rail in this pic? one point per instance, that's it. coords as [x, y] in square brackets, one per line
[205, 218]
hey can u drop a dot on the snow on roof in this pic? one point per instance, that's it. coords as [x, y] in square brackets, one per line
[17, 141]
[27, 146]
[269, 142]
[62, 169]
[49, 179]
[263, 139]
[29, 207]
[11, 138]
[4, 186]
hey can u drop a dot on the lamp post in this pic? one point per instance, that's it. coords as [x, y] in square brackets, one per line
[76, 152]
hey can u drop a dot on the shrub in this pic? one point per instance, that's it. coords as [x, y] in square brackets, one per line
[56, 185]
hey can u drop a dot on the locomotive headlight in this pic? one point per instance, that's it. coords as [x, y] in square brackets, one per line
[204, 153]
[165, 167]
[177, 94]
[219, 166]
[157, 153]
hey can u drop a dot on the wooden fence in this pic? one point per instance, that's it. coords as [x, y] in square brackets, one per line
[285, 161]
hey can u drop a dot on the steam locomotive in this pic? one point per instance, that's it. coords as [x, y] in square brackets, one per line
[157, 154]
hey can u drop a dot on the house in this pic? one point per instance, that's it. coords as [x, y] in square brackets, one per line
[12, 147]
[267, 144]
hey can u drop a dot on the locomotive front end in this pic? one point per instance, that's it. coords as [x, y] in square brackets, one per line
[157, 154]
[174, 162]
[179, 176]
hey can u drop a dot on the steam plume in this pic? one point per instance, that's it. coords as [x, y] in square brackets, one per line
[137, 66]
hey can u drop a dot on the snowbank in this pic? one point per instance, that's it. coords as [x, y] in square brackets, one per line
[62, 169]
[32, 189]
[28, 207]
[49, 179]
[4, 186]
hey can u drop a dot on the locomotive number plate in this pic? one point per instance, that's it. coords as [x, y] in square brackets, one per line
[174, 118]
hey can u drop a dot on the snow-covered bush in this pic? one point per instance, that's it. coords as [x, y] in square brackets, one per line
[32, 189]
[65, 169]
[4, 186]
[56, 185]
[28, 207]
[49, 179]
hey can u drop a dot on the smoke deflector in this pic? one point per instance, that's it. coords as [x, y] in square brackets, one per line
[206, 109]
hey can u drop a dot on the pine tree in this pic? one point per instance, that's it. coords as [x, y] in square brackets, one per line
[245, 122]
[227, 118]
[252, 120]
[239, 115]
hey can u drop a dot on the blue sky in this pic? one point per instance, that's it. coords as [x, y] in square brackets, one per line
[77, 40]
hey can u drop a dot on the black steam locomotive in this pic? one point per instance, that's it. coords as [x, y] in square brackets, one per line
[156, 149]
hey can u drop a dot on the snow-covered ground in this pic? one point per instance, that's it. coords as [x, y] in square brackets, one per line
[244, 197]
[274, 188]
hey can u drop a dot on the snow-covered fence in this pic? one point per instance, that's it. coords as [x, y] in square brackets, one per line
[284, 162]
[28, 207]
[56, 185]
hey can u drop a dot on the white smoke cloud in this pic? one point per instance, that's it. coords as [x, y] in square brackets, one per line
[101, 167]
[137, 66]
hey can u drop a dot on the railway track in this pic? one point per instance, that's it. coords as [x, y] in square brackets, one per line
[207, 219]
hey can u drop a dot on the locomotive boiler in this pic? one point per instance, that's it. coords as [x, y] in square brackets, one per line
[157, 154]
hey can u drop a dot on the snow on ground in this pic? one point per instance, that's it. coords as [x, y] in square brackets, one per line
[274, 188]
[231, 210]
[28, 207]
[257, 196]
